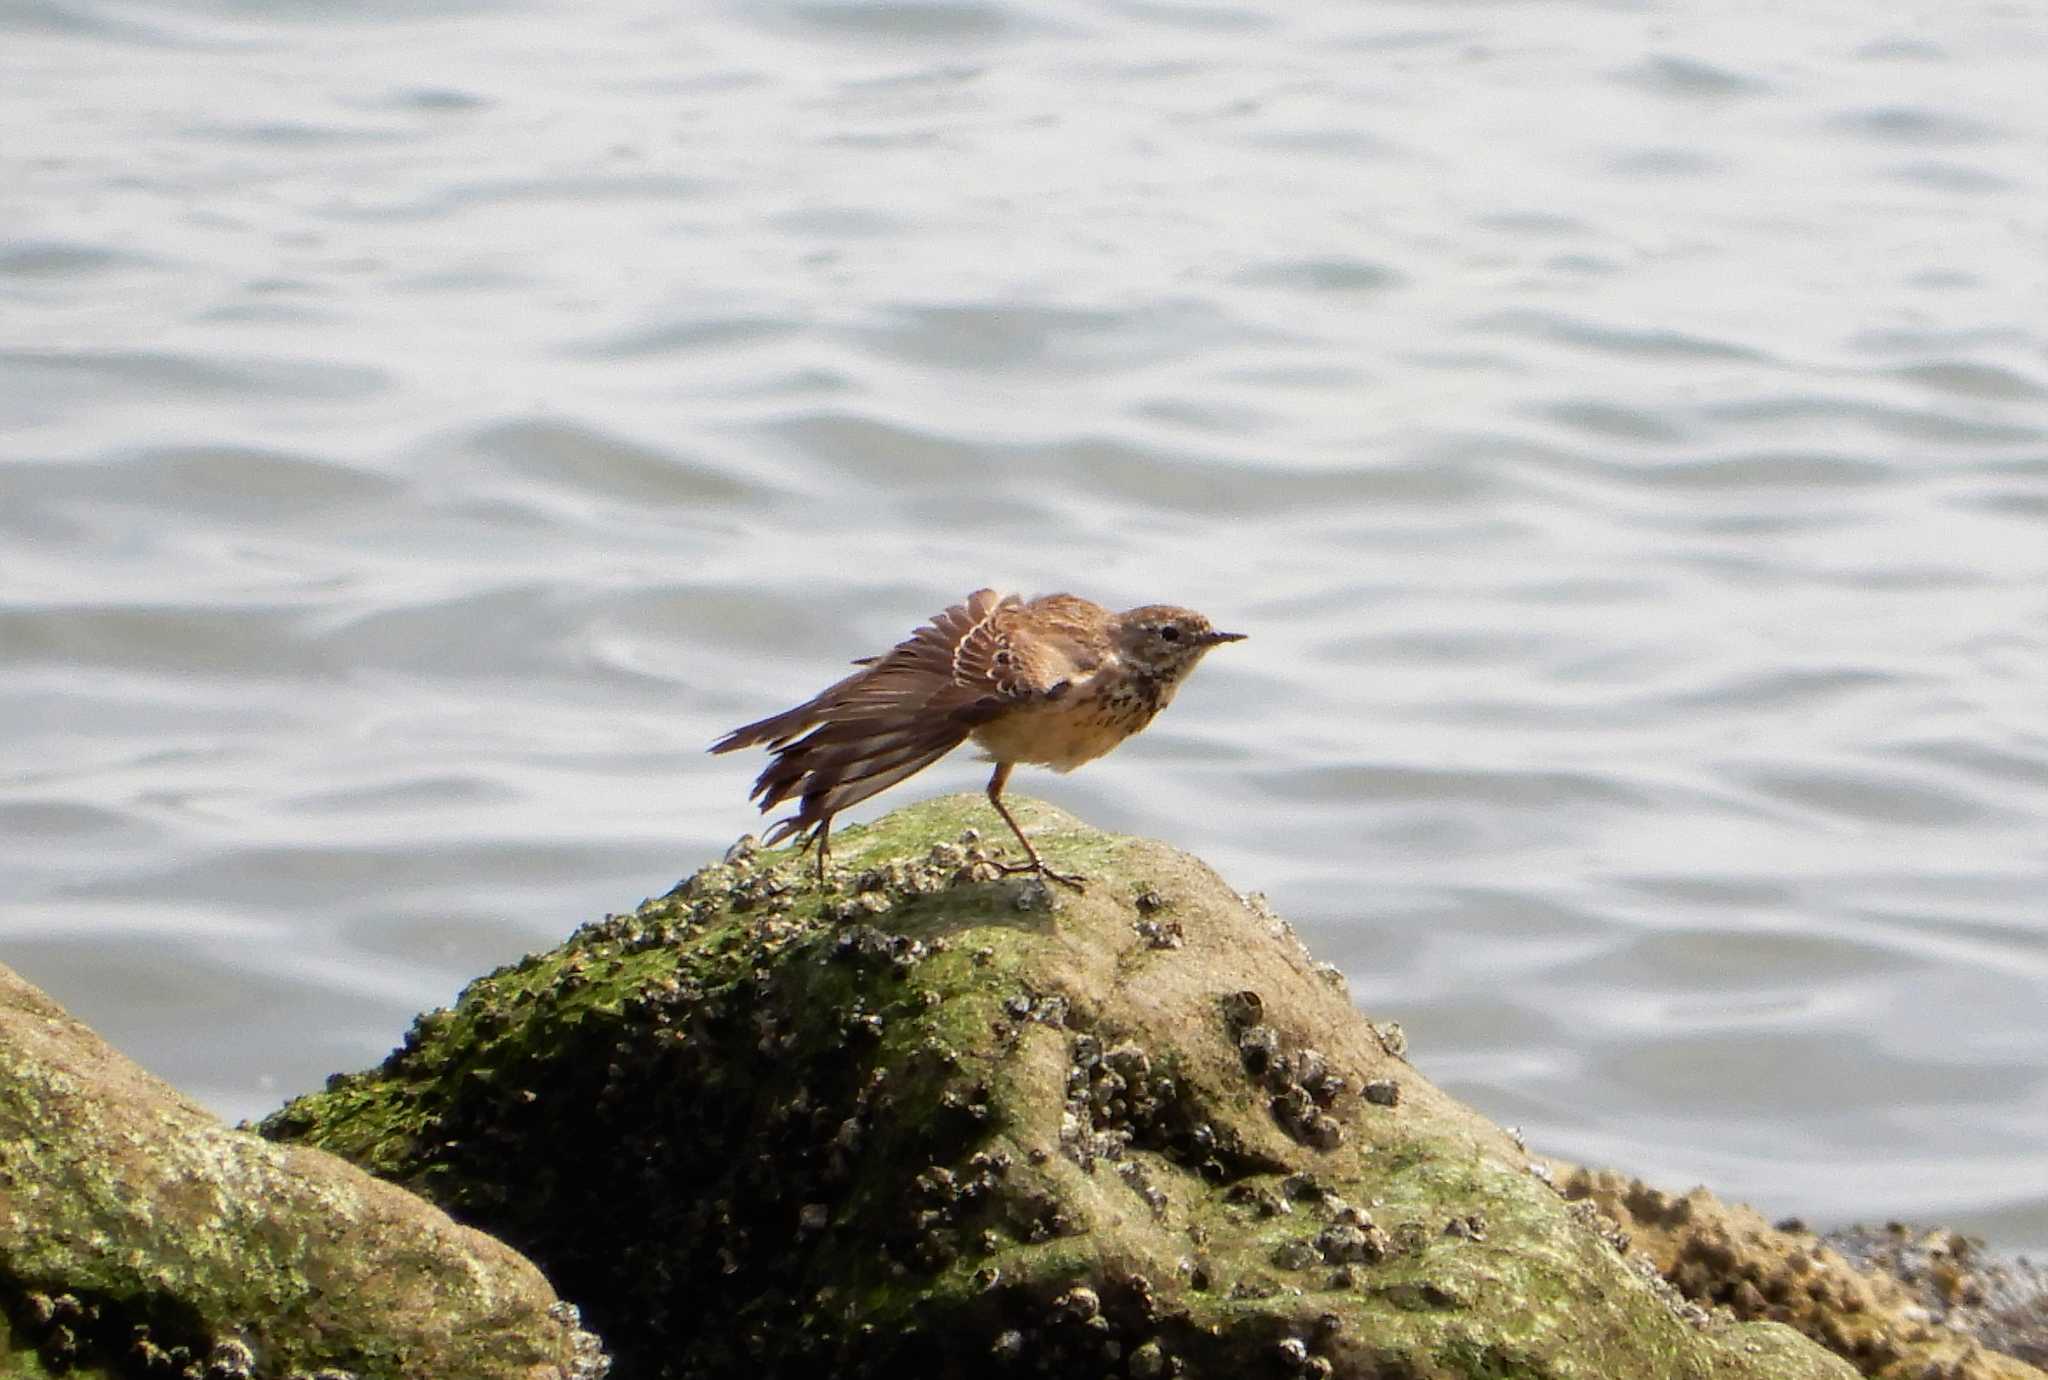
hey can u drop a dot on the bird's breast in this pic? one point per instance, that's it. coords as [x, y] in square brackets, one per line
[1065, 733]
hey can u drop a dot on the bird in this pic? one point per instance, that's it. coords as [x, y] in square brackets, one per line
[1053, 681]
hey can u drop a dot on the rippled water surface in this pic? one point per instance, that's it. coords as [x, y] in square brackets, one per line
[1624, 433]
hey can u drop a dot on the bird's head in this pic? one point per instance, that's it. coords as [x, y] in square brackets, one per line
[1163, 641]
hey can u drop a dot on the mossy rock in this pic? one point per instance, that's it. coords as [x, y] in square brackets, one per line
[140, 1237]
[940, 1122]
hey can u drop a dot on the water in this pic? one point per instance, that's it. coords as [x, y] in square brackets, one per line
[1624, 433]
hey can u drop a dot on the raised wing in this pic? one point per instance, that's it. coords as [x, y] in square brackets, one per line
[898, 715]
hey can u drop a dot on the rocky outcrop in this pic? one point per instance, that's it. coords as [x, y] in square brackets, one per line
[1901, 1305]
[140, 1237]
[939, 1122]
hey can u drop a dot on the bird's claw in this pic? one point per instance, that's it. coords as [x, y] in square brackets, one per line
[1071, 879]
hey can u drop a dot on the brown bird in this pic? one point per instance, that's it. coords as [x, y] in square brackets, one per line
[1055, 681]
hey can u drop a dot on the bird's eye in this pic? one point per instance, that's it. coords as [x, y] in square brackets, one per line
[1170, 633]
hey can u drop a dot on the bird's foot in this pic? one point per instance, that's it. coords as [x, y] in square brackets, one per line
[821, 874]
[1072, 879]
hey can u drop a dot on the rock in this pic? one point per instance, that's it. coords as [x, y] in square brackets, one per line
[985, 1137]
[1955, 1281]
[139, 1236]
[1901, 1305]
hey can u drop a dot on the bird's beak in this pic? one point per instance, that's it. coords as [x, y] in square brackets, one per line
[1212, 638]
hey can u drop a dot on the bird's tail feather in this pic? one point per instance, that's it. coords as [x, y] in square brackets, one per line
[827, 776]
[778, 729]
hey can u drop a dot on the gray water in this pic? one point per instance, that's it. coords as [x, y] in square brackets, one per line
[1623, 431]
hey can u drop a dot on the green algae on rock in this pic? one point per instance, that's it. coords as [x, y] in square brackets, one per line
[140, 1237]
[939, 1123]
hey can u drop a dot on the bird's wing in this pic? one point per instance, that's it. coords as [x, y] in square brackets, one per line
[999, 662]
[902, 712]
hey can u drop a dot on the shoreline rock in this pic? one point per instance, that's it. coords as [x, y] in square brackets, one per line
[1900, 1305]
[141, 1237]
[934, 1122]
[939, 1123]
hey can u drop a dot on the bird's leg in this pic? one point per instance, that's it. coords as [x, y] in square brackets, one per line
[1037, 864]
[821, 837]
